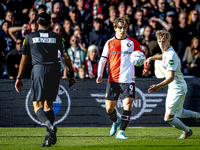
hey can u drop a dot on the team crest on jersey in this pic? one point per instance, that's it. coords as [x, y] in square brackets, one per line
[171, 62]
[129, 44]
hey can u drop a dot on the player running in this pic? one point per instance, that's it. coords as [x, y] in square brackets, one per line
[177, 87]
[43, 46]
[121, 80]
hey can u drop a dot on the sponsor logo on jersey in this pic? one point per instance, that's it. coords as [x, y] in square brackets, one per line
[43, 40]
[143, 103]
[61, 106]
[121, 52]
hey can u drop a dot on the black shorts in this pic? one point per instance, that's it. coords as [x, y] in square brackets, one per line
[45, 82]
[113, 90]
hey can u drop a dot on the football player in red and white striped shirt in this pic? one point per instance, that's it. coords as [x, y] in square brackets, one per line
[121, 80]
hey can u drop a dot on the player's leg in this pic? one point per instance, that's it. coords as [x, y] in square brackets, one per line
[174, 103]
[111, 112]
[51, 116]
[128, 95]
[112, 94]
[188, 114]
[125, 118]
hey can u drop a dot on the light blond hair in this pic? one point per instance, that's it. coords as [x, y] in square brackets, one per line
[163, 34]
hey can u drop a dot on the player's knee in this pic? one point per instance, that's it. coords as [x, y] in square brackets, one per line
[168, 120]
[109, 110]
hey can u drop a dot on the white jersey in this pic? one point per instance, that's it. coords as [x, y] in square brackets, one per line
[171, 62]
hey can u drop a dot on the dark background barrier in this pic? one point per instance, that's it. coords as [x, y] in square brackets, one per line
[82, 105]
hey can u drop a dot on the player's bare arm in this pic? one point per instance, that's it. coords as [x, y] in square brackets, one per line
[22, 66]
[168, 80]
[70, 66]
[155, 57]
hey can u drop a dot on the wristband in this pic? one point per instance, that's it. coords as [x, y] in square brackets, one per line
[19, 78]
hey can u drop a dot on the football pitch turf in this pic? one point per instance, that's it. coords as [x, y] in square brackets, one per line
[98, 138]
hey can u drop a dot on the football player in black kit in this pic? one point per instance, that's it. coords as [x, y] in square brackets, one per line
[43, 46]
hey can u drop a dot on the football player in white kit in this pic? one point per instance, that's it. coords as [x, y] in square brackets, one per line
[177, 87]
[121, 79]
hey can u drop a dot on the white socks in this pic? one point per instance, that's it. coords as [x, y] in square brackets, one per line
[187, 114]
[177, 123]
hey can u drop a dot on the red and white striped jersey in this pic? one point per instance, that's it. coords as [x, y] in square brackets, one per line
[118, 52]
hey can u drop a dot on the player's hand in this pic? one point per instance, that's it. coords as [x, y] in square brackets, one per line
[99, 80]
[147, 63]
[145, 72]
[18, 85]
[153, 88]
[71, 81]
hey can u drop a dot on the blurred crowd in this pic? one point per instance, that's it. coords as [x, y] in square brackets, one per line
[87, 24]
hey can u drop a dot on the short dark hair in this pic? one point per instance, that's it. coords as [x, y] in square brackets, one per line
[44, 19]
[20, 38]
[42, 7]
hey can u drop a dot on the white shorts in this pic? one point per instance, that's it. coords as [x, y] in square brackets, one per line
[174, 103]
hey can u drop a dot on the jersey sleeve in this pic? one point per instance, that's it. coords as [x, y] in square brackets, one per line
[172, 63]
[105, 52]
[25, 46]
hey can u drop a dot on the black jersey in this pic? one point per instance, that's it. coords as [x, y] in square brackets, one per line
[43, 46]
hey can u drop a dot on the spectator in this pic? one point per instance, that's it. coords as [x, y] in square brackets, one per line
[195, 65]
[9, 16]
[41, 9]
[74, 16]
[5, 38]
[150, 41]
[189, 5]
[183, 34]
[76, 54]
[162, 9]
[137, 29]
[108, 24]
[171, 24]
[46, 3]
[54, 19]
[122, 9]
[193, 18]
[82, 72]
[92, 61]
[67, 5]
[68, 32]
[97, 36]
[12, 60]
[84, 13]
[154, 5]
[130, 12]
[28, 28]
[189, 54]
[98, 6]
[79, 36]
[154, 24]
[58, 8]
[147, 11]
[33, 15]
[177, 6]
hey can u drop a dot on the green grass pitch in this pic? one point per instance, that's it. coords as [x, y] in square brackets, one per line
[157, 138]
